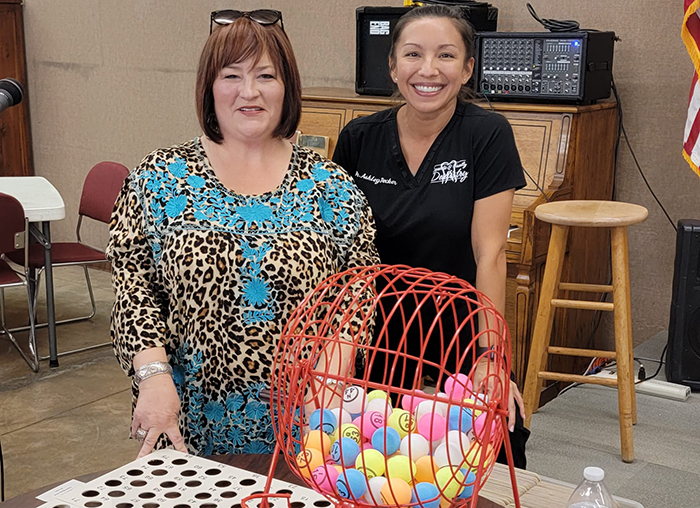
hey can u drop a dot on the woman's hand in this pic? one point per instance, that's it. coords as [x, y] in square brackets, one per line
[486, 367]
[157, 410]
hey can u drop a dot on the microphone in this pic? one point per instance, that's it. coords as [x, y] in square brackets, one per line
[11, 93]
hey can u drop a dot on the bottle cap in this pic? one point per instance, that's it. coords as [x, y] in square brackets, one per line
[593, 474]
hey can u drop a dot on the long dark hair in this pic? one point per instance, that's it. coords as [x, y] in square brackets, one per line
[454, 14]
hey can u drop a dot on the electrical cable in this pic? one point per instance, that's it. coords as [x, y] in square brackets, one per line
[554, 25]
[636, 162]
[2, 476]
[658, 369]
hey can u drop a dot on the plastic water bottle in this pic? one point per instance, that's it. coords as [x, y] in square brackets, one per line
[591, 492]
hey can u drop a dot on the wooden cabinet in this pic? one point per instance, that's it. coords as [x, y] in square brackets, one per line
[15, 139]
[568, 153]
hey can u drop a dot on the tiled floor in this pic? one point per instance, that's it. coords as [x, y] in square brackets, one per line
[61, 423]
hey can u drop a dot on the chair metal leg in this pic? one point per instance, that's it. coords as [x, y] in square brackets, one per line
[33, 359]
[33, 280]
[93, 305]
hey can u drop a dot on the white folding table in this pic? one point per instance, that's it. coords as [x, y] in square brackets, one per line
[42, 204]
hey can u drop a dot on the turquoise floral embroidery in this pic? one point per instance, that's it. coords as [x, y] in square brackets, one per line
[234, 402]
[256, 213]
[196, 182]
[256, 291]
[305, 185]
[175, 206]
[178, 168]
[326, 210]
[255, 409]
[320, 173]
[214, 411]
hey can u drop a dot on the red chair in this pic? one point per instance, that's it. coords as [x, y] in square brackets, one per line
[13, 236]
[100, 190]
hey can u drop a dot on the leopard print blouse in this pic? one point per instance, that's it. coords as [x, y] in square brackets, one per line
[212, 276]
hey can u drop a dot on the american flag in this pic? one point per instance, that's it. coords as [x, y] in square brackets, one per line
[691, 36]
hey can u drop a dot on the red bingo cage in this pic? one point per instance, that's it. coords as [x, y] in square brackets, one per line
[390, 388]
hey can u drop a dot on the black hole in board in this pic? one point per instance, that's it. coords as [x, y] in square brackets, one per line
[223, 484]
[92, 504]
[298, 504]
[138, 483]
[247, 482]
[284, 491]
[172, 495]
[91, 493]
[151, 505]
[115, 493]
[208, 505]
[168, 485]
[213, 472]
[155, 462]
[321, 503]
[134, 472]
[238, 505]
[202, 495]
[124, 505]
[188, 472]
[147, 495]
[193, 483]
[159, 472]
[113, 483]
[182, 506]
[180, 462]
[61, 506]
[229, 494]
[257, 492]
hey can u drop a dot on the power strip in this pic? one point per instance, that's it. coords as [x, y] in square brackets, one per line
[653, 387]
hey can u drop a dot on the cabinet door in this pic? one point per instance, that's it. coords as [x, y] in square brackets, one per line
[15, 141]
[543, 144]
[323, 122]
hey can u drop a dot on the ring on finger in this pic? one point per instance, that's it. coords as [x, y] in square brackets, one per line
[140, 434]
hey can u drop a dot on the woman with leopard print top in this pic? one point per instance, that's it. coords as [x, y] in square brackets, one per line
[214, 242]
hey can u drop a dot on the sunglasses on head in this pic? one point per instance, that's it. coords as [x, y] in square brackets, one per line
[264, 17]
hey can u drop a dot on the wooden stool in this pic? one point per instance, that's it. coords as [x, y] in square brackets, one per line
[593, 214]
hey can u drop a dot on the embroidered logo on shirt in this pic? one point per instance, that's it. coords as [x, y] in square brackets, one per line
[450, 172]
[375, 179]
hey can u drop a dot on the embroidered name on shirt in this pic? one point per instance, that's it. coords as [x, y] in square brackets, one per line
[450, 172]
[375, 179]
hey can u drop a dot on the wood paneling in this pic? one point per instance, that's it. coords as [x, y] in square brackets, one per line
[15, 140]
[569, 152]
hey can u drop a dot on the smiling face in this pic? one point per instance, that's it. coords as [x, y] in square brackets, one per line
[430, 64]
[248, 99]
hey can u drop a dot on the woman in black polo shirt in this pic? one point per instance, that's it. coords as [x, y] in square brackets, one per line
[439, 173]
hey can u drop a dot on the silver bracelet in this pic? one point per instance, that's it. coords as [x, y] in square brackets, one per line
[328, 381]
[151, 369]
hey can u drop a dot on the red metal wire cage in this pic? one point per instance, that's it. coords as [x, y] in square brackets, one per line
[354, 418]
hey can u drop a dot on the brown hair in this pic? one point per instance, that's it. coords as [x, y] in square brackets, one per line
[454, 14]
[235, 43]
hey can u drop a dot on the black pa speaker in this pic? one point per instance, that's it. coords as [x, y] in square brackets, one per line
[683, 356]
[374, 26]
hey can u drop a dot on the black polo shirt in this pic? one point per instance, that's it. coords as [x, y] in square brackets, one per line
[425, 220]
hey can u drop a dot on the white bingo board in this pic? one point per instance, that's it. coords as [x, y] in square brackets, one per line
[171, 479]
